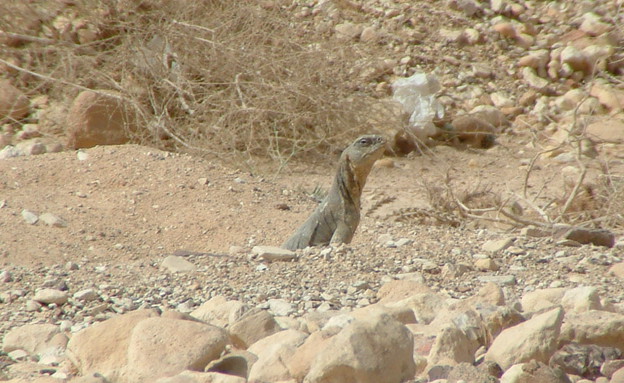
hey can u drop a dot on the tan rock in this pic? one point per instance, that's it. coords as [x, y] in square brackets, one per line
[398, 290]
[102, 348]
[13, 103]
[498, 245]
[99, 119]
[274, 353]
[570, 100]
[506, 29]
[490, 293]
[533, 80]
[176, 264]
[496, 319]
[533, 372]
[452, 347]
[486, 264]
[452, 270]
[541, 299]
[575, 58]
[236, 363]
[617, 270]
[610, 97]
[369, 34]
[399, 311]
[161, 347]
[610, 367]
[581, 299]
[618, 376]
[598, 237]
[607, 130]
[594, 327]
[537, 60]
[490, 114]
[48, 296]
[375, 350]
[533, 339]
[474, 131]
[220, 312]
[593, 25]
[316, 320]
[348, 30]
[33, 338]
[301, 361]
[425, 306]
[597, 56]
[252, 327]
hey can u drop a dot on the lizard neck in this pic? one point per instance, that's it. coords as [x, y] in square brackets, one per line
[348, 184]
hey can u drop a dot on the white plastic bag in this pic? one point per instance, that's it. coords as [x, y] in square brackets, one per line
[417, 96]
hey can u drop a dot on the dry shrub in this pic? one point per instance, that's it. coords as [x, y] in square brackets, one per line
[599, 203]
[231, 78]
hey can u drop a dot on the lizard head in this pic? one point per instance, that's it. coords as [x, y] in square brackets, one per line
[362, 154]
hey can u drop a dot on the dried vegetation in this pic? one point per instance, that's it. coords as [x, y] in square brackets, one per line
[231, 79]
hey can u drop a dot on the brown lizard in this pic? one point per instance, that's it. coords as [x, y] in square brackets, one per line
[338, 215]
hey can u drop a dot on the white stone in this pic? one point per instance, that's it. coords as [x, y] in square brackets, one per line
[176, 264]
[274, 254]
[49, 296]
[280, 307]
[52, 220]
[30, 217]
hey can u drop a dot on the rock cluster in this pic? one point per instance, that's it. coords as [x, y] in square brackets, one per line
[411, 334]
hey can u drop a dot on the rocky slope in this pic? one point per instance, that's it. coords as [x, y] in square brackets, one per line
[131, 264]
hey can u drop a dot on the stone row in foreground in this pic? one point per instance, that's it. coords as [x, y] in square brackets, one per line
[411, 334]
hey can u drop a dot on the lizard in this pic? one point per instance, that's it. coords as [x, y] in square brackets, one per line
[338, 215]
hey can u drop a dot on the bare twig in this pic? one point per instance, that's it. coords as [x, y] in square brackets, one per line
[574, 191]
[177, 22]
[35, 39]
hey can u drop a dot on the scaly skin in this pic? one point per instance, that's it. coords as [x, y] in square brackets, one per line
[337, 217]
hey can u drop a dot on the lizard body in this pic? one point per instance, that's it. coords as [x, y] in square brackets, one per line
[338, 215]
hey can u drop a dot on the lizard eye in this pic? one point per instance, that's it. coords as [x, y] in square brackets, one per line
[365, 141]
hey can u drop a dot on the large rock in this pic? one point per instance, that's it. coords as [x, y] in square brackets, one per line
[397, 310]
[274, 353]
[368, 351]
[220, 312]
[579, 299]
[594, 327]
[607, 129]
[13, 103]
[161, 347]
[102, 348]
[96, 118]
[452, 346]
[425, 306]
[300, 363]
[534, 372]
[252, 327]
[541, 299]
[33, 338]
[236, 363]
[533, 339]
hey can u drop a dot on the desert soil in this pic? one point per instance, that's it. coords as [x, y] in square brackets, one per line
[127, 207]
